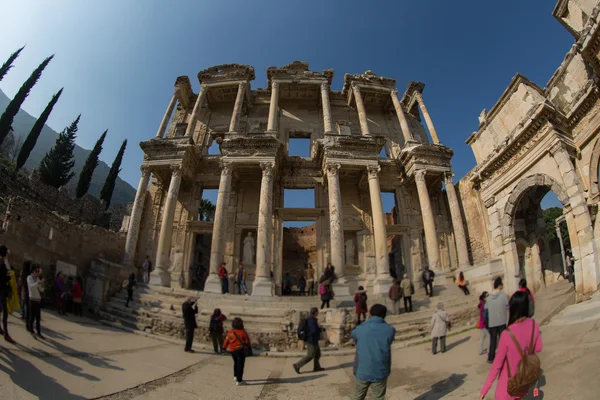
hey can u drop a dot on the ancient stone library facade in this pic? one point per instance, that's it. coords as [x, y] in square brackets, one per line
[533, 140]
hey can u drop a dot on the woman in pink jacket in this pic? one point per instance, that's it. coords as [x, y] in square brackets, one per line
[522, 327]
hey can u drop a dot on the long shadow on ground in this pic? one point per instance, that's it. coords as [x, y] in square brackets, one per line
[443, 387]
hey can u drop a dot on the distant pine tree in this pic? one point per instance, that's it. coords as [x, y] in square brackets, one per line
[14, 106]
[57, 165]
[111, 179]
[8, 64]
[34, 134]
[85, 177]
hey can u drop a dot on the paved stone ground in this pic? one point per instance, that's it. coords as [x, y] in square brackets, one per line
[85, 360]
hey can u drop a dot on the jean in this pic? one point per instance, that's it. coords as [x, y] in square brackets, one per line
[364, 317]
[378, 390]
[434, 343]
[239, 359]
[217, 340]
[3, 305]
[35, 312]
[146, 276]
[395, 310]
[189, 338]
[313, 352]
[324, 303]
[494, 336]
[60, 303]
[129, 297]
[483, 334]
[242, 285]
[465, 289]
[224, 285]
[429, 288]
[408, 304]
[311, 287]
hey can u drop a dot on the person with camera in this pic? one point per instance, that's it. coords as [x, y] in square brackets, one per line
[310, 332]
[189, 310]
[4, 291]
[35, 285]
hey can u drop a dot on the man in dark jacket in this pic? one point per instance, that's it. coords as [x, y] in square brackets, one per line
[313, 333]
[190, 309]
[4, 292]
[427, 277]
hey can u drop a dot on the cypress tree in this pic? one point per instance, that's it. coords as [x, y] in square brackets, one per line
[8, 64]
[13, 107]
[34, 134]
[111, 179]
[85, 177]
[57, 165]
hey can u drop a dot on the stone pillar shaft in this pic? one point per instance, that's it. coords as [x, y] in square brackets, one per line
[273, 107]
[136, 218]
[428, 121]
[264, 249]
[562, 250]
[160, 275]
[459, 230]
[362, 113]
[379, 229]
[191, 126]
[431, 239]
[167, 117]
[401, 117]
[336, 228]
[327, 124]
[237, 108]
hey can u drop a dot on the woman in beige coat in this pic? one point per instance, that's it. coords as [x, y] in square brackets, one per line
[440, 322]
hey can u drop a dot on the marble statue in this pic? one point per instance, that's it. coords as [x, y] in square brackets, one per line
[248, 251]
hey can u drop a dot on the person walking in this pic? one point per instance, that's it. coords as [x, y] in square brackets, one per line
[131, 283]
[189, 309]
[497, 307]
[313, 351]
[235, 342]
[310, 279]
[35, 286]
[462, 284]
[4, 291]
[521, 337]
[373, 359]
[24, 292]
[146, 269]
[523, 288]
[224, 277]
[216, 330]
[360, 301]
[408, 289]
[440, 323]
[395, 294]
[77, 297]
[483, 332]
[60, 292]
[427, 277]
[242, 277]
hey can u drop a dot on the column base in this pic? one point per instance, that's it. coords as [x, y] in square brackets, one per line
[160, 277]
[213, 284]
[382, 285]
[262, 287]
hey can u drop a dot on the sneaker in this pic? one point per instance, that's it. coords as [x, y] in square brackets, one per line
[296, 368]
[41, 336]
[241, 383]
[8, 338]
[319, 369]
[234, 379]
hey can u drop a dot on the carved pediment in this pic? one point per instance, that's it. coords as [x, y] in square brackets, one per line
[227, 72]
[297, 71]
[368, 78]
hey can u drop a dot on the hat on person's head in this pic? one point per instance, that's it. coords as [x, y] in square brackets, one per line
[378, 310]
[3, 250]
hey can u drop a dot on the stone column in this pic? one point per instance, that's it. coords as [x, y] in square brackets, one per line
[362, 113]
[401, 117]
[431, 239]
[562, 250]
[194, 117]
[160, 275]
[237, 108]
[264, 251]
[273, 107]
[136, 218]
[459, 230]
[383, 281]
[428, 121]
[336, 228]
[167, 117]
[327, 124]
[213, 284]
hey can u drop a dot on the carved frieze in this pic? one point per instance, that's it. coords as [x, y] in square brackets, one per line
[368, 78]
[298, 71]
[336, 146]
[251, 145]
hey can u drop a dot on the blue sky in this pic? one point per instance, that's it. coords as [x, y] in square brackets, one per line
[118, 60]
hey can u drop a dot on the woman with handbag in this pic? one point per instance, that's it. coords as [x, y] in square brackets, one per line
[237, 342]
[440, 323]
[483, 332]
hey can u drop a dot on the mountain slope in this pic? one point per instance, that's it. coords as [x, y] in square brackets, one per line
[124, 192]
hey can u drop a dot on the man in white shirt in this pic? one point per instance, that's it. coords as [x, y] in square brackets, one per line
[36, 286]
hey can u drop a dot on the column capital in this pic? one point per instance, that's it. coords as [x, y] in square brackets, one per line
[145, 169]
[355, 89]
[332, 168]
[373, 170]
[274, 84]
[267, 167]
[176, 170]
[419, 97]
[448, 178]
[394, 92]
[324, 85]
[226, 167]
[420, 175]
[242, 85]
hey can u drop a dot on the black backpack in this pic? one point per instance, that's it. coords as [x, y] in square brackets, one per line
[303, 330]
[362, 300]
[214, 325]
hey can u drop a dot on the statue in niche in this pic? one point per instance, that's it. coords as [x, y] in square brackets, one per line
[249, 249]
[350, 252]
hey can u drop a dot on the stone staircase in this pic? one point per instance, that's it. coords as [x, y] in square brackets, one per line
[271, 321]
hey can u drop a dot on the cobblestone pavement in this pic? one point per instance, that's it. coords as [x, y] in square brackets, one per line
[86, 360]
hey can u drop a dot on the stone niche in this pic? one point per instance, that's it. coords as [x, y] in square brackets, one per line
[248, 247]
[350, 248]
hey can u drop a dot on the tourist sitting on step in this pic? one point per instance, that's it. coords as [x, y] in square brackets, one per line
[462, 283]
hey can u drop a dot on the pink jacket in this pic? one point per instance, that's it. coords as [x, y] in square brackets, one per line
[507, 348]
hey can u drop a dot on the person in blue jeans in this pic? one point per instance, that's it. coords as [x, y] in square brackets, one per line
[242, 277]
[373, 359]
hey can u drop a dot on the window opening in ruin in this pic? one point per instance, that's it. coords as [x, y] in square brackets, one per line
[299, 147]
[299, 198]
[214, 149]
[207, 205]
[299, 247]
[389, 207]
[383, 152]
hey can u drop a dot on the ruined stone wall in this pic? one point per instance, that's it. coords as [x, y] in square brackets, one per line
[476, 229]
